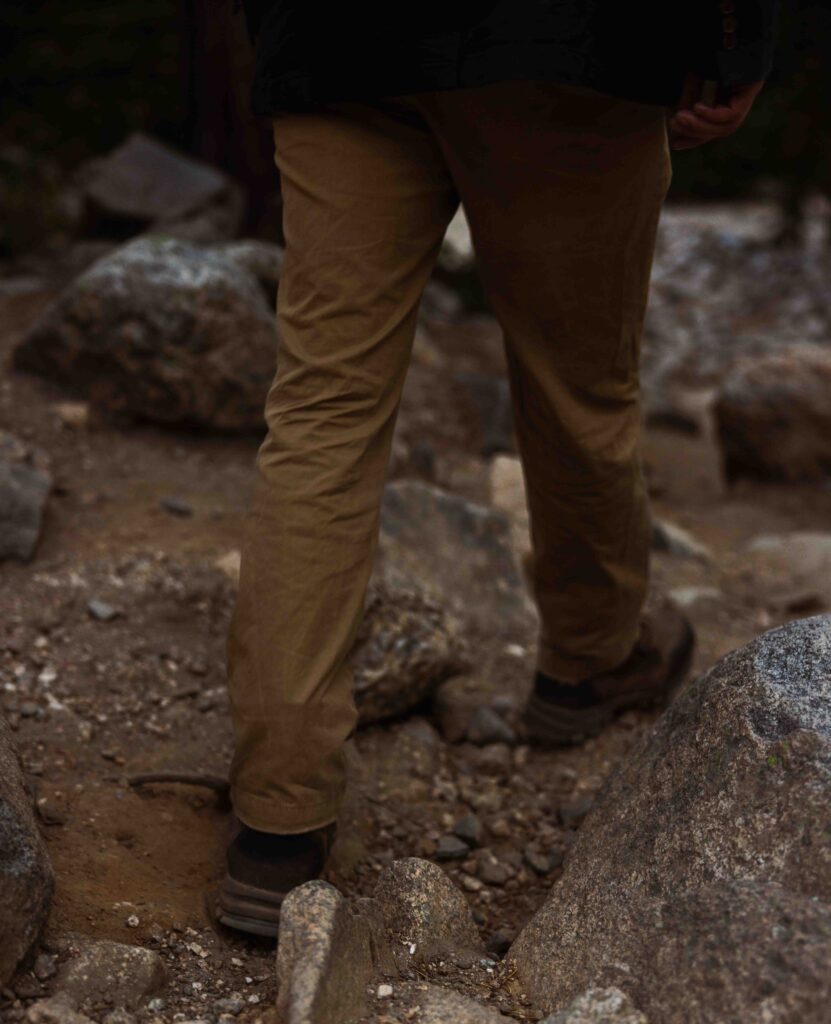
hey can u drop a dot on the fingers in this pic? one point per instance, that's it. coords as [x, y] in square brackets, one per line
[715, 115]
[687, 123]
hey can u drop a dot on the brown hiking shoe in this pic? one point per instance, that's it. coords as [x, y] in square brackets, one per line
[560, 714]
[262, 869]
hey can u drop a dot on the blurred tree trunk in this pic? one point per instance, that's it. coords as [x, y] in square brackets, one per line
[220, 127]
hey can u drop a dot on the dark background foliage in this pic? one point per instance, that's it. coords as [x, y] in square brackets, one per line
[78, 77]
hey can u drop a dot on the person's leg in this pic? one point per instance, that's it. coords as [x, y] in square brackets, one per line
[366, 199]
[563, 187]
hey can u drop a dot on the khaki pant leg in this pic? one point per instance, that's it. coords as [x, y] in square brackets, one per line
[563, 187]
[367, 199]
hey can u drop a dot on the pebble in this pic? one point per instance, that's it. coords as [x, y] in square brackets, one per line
[492, 872]
[500, 941]
[72, 414]
[469, 830]
[384, 991]
[471, 884]
[494, 759]
[537, 860]
[176, 506]
[44, 966]
[230, 1004]
[451, 848]
[573, 812]
[101, 611]
[486, 726]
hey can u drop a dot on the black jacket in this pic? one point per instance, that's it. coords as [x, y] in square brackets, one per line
[312, 51]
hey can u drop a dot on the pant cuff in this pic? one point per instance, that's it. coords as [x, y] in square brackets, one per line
[577, 668]
[267, 817]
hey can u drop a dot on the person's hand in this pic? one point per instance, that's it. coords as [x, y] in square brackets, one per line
[693, 123]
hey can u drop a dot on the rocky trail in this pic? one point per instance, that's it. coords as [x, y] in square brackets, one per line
[112, 667]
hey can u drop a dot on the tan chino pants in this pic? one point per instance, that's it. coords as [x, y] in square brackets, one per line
[562, 187]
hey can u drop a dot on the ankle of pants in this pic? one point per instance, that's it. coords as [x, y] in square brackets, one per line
[570, 669]
[269, 817]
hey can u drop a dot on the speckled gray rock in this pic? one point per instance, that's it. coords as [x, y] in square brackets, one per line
[773, 415]
[599, 1006]
[26, 880]
[731, 792]
[23, 494]
[406, 646]
[426, 916]
[161, 331]
[431, 1004]
[55, 1010]
[112, 974]
[328, 951]
[466, 551]
[144, 182]
[263, 260]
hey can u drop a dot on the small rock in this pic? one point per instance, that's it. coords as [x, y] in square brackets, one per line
[486, 726]
[451, 848]
[494, 759]
[144, 181]
[44, 967]
[405, 648]
[72, 414]
[56, 1010]
[773, 415]
[102, 611]
[118, 1016]
[421, 905]
[536, 859]
[230, 1004]
[576, 809]
[230, 563]
[469, 830]
[432, 1004]
[677, 541]
[176, 507]
[26, 879]
[23, 494]
[101, 971]
[384, 991]
[690, 597]
[599, 1006]
[490, 870]
[466, 551]
[327, 954]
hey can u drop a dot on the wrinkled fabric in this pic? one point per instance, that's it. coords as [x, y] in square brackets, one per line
[309, 52]
[562, 187]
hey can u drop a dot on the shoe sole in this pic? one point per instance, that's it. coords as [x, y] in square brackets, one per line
[247, 908]
[561, 727]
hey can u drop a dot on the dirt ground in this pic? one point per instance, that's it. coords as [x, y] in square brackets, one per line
[95, 702]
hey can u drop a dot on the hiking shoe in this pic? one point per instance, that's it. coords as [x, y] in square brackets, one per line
[560, 714]
[262, 868]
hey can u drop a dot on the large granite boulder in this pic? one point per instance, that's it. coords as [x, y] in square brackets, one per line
[700, 884]
[26, 880]
[773, 415]
[162, 331]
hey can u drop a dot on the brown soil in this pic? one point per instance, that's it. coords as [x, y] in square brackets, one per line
[145, 691]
